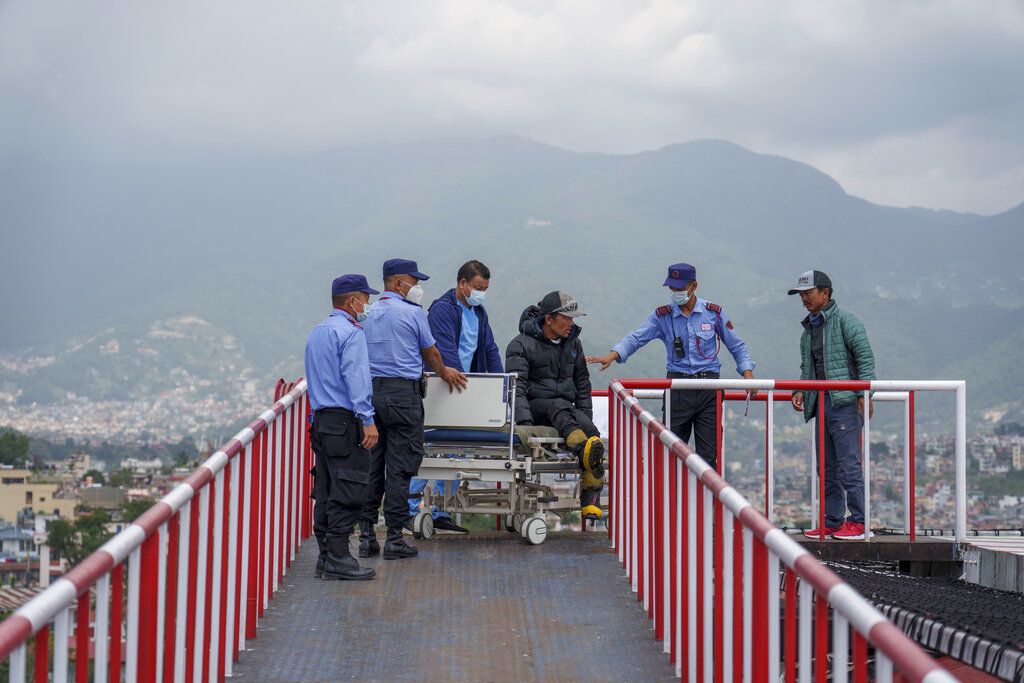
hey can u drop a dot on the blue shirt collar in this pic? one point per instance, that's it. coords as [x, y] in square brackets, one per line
[338, 311]
[677, 310]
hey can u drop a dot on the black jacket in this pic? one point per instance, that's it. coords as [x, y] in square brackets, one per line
[547, 369]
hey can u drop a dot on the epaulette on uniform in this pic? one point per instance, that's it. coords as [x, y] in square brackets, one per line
[662, 310]
[356, 324]
[713, 307]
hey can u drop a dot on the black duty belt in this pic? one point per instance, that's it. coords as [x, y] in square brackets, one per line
[398, 383]
[699, 375]
[337, 411]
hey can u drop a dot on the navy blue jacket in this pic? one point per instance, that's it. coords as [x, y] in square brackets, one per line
[445, 319]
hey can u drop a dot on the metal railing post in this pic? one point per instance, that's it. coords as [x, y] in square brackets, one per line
[821, 464]
[131, 667]
[867, 466]
[907, 491]
[961, 462]
[769, 484]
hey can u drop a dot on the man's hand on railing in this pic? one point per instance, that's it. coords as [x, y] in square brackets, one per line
[605, 361]
[454, 379]
[370, 436]
[797, 400]
[751, 393]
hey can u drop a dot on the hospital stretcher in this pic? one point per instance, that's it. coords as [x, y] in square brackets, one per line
[498, 468]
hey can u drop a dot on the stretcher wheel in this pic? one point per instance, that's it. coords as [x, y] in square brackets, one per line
[535, 530]
[423, 525]
[508, 525]
[517, 523]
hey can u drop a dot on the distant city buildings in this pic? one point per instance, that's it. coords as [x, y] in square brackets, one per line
[136, 466]
[164, 418]
[22, 490]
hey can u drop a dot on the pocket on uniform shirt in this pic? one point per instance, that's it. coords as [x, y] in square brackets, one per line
[706, 343]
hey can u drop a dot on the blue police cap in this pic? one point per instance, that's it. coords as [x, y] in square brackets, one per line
[680, 275]
[401, 266]
[351, 283]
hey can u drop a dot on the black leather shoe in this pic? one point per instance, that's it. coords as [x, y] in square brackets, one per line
[447, 524]
[399, 550]
[346, 569]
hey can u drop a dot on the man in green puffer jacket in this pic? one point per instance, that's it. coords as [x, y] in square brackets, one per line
[835, 346]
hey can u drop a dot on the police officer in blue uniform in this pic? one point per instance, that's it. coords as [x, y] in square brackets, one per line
[342, 429]
[692, 330]
[400, 343]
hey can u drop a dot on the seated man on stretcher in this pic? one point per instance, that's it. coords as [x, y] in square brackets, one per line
[553, 388]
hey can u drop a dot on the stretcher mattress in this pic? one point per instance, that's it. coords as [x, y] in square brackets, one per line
[523, 433]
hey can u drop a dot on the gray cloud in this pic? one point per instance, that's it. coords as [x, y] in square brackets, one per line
[903, 102]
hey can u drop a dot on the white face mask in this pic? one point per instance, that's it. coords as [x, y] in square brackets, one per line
[679, 298]
[476, 297]
[415, 294]
[361, 315]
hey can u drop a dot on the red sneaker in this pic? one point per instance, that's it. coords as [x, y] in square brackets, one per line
[850, 531]
[816, 533]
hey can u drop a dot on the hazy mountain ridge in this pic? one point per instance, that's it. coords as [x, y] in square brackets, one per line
[250, 249]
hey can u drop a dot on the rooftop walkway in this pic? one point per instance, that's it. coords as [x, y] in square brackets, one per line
[484, 607]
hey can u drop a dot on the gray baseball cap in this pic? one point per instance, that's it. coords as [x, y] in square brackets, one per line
[560, 302]
[811, 279]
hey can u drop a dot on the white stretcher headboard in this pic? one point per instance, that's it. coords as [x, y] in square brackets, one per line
[481, 404]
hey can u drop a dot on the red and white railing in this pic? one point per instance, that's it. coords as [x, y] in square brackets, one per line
[202, 564]
[773, 391]
[706, 566]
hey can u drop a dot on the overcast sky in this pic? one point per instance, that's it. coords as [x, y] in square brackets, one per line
[904, 103]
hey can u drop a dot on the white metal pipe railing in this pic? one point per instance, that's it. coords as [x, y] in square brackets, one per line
[891, 391]
[881, 396]
[708, 599]
[188, 598]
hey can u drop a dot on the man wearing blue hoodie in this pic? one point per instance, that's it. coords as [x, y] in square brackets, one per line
[458, 321]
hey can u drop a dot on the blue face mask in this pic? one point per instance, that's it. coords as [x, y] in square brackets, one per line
[362, 315]
[476, 297]
[679, 298]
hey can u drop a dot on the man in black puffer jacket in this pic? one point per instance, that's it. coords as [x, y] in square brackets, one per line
[553, 388]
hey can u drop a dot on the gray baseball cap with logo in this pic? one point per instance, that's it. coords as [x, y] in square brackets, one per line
[811, 279]
[559, 302]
